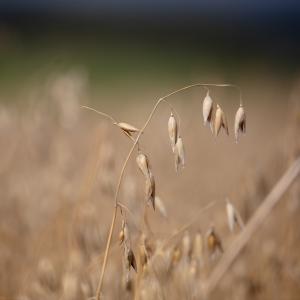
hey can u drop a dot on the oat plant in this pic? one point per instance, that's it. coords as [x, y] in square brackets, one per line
[215, 117]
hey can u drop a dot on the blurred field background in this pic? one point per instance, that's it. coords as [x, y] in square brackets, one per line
[59, 164]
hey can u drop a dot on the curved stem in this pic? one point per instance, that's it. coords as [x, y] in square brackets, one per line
[205, 85]
[99, 113]
[106, 116]
[98, 293]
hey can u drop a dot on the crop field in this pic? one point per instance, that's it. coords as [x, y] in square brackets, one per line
[215, 232]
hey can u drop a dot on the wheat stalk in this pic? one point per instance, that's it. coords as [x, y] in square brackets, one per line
[255, 222]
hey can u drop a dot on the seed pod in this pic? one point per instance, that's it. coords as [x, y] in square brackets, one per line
[186, 246]
[150, 189]
[207, 109]
[131, 260]
[121, 236]
[198, 246]
[127, 128]
[176, 255]
[233, 216]
[179, 154]
[220, 121]
[173, 130]
[230, 215]
[122, 232]
[143, 164]
[143, 252]
[239, 123]
[143, 257]
[214, 244]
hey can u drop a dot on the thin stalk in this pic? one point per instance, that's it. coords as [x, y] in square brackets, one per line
[98, 293]
[255, 222]
[99, 113]
[158, 102]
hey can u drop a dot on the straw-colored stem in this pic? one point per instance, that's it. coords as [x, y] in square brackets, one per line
[255, 222]
[98, 293]
[99, 113]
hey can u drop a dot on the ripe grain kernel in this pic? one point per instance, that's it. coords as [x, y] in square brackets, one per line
[239, 123]
[220, 121]
[173, 131]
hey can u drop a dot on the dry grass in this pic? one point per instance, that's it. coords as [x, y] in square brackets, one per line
[60, 167]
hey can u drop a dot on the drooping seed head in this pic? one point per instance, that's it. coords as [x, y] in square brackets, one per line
[239, 123]
[213, 241]
[121, 236]
[150, 189]
[173, 131]
[179, 154]
[143, 164]
[143, 254]
[186, 245]
[127, 128]
[176, 255]
[230, 215]
[233, 216]
[220, 121]
[198, 247]
[131, 260]
[207, 109]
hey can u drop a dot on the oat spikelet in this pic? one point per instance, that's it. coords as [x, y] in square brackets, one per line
[220, 121]
[186, 246]
[214, 243]
[233, 216]
[207, 109]
[150, 189]
[172, 130]
[143, 164]
[143, 252]
[122, 232]
[131, 259]
[198, 247]
[239, 123]
[176, 256]
[179, 154]
[127, 128]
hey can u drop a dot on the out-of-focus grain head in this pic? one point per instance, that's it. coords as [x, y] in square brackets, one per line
[131, 261]
[198, 247]
[213, 241]
[207, 109]
[230, 215]
[71, 286]
[143, 164]
[172, 130]
[143, 255]
[176, 255]
[233, 216]
[122, 233]
[179, 154]
[47, 275]
[220, 121]
[186, 246]
[239, 123]
[150, 190]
